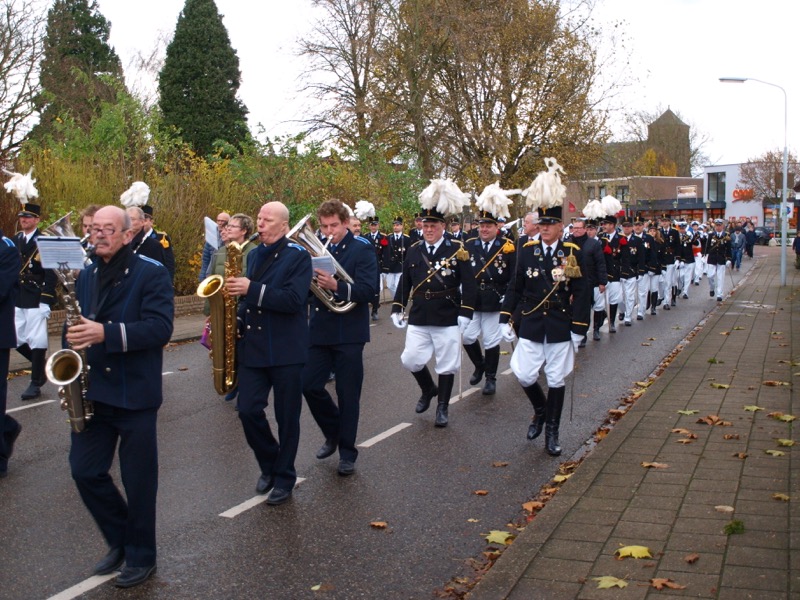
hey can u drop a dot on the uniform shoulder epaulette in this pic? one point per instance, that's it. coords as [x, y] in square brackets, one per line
[531, 243]
[150, 260]
[417, 243]
[571, 245]
[296, 246]
[9, 243]
[362, 240]
[163, 238]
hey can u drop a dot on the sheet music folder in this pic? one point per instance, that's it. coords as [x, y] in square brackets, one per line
[61, 252]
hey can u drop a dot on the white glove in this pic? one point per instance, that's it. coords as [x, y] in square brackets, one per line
[727, 264]
[463, 323]
[576, 340]
[507, 331]
[398, 320]
[44, 309]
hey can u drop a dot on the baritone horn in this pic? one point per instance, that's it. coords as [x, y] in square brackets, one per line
[303, 234]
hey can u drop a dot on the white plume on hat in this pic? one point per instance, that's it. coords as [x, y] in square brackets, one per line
[349, 210]
[495, 200]
[594, 210]
[611, 206]
[21, 186]
[364, 209]
[136, 195]
[444, 196]
[546, 191]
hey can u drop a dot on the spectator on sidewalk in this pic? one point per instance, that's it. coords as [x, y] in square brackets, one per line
[208, 249]
[749, 238]
[737, 247]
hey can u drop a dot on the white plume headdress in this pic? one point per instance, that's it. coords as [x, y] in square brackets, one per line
[22, 186]
[546, 191]
[594, 210]
[364, 210]
[443, 196]
[136, 195]
[349, 210]
[495, 200]
[611, 206]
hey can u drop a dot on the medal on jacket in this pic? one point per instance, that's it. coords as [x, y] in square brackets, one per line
[558, 274]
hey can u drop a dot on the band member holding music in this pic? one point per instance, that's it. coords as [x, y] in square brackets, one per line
[273, 348]
[439, 279]
[338, 338]
[492, 259]
[399, 243]
[127, 309]
[37, 294]
[547, 284]
[9, 286]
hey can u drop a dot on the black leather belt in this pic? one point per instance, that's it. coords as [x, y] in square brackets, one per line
[428, 294]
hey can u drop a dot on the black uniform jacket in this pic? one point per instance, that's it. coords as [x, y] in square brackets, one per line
[493, 271]
[593, 261]
[546, 315]
[37, 285]
[355, 255]
[671, 247]
[9, 287]
[273, 319]
[395, 253]
[137, 314]
[688, 244]
[718, 248]
[611, 250]
[433, 285]
[631, 257]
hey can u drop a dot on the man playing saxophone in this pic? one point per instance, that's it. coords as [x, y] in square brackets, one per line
[127, 309]
[338, 338]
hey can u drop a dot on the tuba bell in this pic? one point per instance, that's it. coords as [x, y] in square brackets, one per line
[303, 234]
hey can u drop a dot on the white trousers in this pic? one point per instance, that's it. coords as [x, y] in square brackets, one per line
[668, 275]
[31, 325]
[699, 267]
[614, 292]
[558, 360]
[642, 288]
[392, 280]
[688, 276]
[486, 324]
[654, 280]
[422, 341]
[716, 279]
[629, 291]
[599, 300]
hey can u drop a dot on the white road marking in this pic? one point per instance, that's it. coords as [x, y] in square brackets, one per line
[27, 406]
[464, 394]
[167, 373]
[83, 587]
[248, 504]
[382, 436]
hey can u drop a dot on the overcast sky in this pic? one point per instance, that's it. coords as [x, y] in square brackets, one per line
[679, 47]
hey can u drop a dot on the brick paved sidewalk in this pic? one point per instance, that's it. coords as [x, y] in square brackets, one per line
[611, 500]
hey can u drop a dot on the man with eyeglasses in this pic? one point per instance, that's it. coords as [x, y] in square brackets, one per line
[208, 249]
[127, 310]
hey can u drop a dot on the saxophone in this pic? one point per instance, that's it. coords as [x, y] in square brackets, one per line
[67, 368]
[223, 320]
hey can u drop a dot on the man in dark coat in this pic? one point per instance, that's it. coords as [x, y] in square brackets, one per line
[593, 268]
[127, 309]
[9, 285]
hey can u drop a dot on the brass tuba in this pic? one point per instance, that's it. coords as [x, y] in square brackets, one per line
[223, 320]
[305, 236]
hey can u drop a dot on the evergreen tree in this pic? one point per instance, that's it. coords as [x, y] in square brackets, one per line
[79, 69]
[199, 81]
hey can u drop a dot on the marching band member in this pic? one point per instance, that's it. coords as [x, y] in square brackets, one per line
[547, 284]
[9, 286]
[162, 237]
[437, 276]
[643, 280]
[134, 198]
[631, 264]
[718, 256]
[337, 339]
[492, 259]
[611, 249]
[366, 211]
[671, 248]
[686, 261]
[593, 268]
[653, 266]
[416, 234]
[395, 254]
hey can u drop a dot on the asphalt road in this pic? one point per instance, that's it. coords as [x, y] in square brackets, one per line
[417, 479]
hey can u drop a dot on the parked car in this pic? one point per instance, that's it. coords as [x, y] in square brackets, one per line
[764, 235]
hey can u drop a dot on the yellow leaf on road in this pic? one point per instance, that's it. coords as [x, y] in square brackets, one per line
[607, 582]
[533, 505]
[655, 465]
[634, 552]
[773, 383]
[774, 452]
[720, 386]
[688, 412]
[785, 443]
[561, 478]
[473, 520]
[499, 537]
[782, 497]
[643, 384]
[752, 408]
[779, 416]
[723, 508]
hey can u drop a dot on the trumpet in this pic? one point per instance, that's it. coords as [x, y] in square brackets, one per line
[303, 234]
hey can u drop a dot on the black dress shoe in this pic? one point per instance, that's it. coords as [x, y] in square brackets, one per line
[34, 391]
[278, 496]
[132, 576]
[612, 328]
[346, 467]
[10, 439]
[111, 562]
[666, 305]
[639, 318]
[328, 448]
[596, 335]
[264, 484]
[685, 296]
[583, 343]
[711, 294]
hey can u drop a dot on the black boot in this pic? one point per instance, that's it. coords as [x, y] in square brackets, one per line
[555, 402]
[25, 350]
[429, 390]
[653, 302]
[492, 359]
[535, 394]
[474, 353]
[599, 319]
[37, 374]
[445, 389]
[674, 294]
[612, 310]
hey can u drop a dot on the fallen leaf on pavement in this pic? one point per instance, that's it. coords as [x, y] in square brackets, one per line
[723, 508]
[774, 452]
[481, 492]
[709, 420]
[655, 465]
[607, 582]
[681, 430]
[738, 328]
[643, 384]
[741, 455]
[720, 386]
[752, 408]
[782, 497]
[779, 416]
[773, 383]
[785, 443]
[688, 412]
[691, 558]
[684, 441]
[661, 583]
[499, 463]
[473, 520]
[646, 344]
[533, 505]
[633, 552]
[379, 524]
[561, 478]
[499, 537]
[730, 436]
[725, 333]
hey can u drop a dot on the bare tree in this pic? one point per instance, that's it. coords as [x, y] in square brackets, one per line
[764, 174]
[21, 32]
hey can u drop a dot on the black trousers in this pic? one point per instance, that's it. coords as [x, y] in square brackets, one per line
[337, 420]
[125, 524]
[274, 456]
[8, 425]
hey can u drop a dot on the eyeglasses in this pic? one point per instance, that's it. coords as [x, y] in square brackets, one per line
[233, 226]
[107, 231]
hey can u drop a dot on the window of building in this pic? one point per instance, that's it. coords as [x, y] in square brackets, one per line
[716, 187]
[602, 191]
[623, 193]
[590, 192]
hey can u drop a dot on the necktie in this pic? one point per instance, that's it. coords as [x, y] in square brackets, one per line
[486, 247]
[332, 248]
[430, 250]
[548, 255]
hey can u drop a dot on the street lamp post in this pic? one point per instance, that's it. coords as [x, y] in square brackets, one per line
[784, 216]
